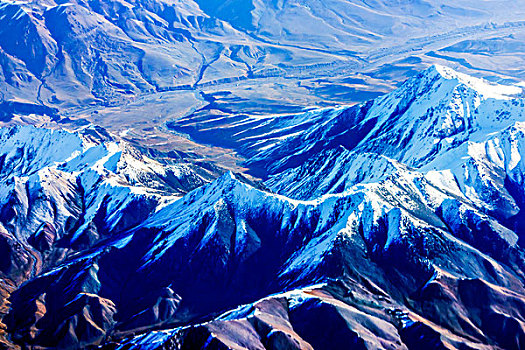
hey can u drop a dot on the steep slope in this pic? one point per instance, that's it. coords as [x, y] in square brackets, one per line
[462, 132]
[228, 243]
[63, 192]
[397, 225]
[60, 187]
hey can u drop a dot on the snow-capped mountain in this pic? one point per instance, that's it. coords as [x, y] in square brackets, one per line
[391, 224]
[61, 192]
[461, 133]
[228, 243]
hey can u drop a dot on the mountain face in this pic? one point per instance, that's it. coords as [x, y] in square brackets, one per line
[69, 190]
[394, 224]
[62, 193]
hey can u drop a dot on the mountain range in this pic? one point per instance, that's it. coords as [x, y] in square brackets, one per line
[395, 223]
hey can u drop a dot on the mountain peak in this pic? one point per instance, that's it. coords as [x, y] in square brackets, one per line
[227, 177]
[485, 88]
[442, 71]
[226, 183]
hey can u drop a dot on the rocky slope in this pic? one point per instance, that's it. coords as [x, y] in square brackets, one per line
[392, 224]
[61, 193]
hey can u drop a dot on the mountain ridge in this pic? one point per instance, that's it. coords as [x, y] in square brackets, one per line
[414, 254]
